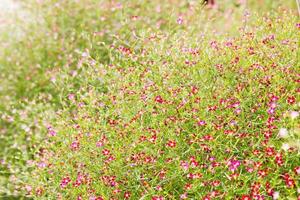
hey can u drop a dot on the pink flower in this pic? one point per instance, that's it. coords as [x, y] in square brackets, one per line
[71, 97]
[184, 165]
[75, 145]
[283, 133]
[271, 111]
[99, 144]
[105, 152]
[42, 165]
[183, 196]
[51, 132]
[157, 198]
[180, 20]
[65, 181]
[234, 164]
[201, 123]
[294, 114]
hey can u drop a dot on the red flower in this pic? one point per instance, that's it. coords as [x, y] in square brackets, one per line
[246, 197]
[194, 90]
[289, 181]
[291, 100]
[270, 151]
[105, 152]
[278, 159]
[171, 143]
[159, 99]
[206, 197]
[297, 170]
[157, 198]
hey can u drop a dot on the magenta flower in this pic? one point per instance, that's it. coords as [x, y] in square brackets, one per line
[234, 164]
[75, 145]
[65, 181]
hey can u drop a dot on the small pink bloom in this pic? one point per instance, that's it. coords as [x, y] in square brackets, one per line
[234, 164]
[65, 181]
[75, 145]
[99, 144]
[180, 20]
[201, 123]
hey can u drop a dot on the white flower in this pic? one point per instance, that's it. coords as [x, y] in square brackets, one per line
[285, 146]
[294, 114]
[275, 195]
[283, 133]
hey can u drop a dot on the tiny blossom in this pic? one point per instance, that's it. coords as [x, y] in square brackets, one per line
[127, 195]
[283, 133]
[183, 196]
[75, 145]
[105, 152]
[85, 54]
[159, 99]
[51, 132]
[171, 143]
[238, 111]
[234, 164]
[28, 188]
[214, 45]
[273, 105]
[271, 111]
[291, 99]
[71, 97]
[65, 181]
[297, 170]
[159, 188]
[157, 198]
[289, 181]
[39, 191]
[276, 195]
[184, 165]
[294, 114]
[99, 144]
[42, 165]
[201, 123]
[285, 146]
[180, 20]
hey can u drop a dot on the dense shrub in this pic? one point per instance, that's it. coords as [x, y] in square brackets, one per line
[179, 115]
